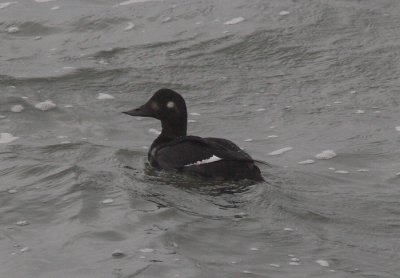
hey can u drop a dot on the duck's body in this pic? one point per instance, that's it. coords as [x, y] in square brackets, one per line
[174, 150]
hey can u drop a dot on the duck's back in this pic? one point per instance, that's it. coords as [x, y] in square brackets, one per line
[208, 157]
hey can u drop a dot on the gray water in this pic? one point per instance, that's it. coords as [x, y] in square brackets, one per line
[310, 75]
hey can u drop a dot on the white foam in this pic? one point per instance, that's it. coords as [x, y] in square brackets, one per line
[362, 170]
[7, 138]
[130, 26]
[360, 112]
[248, 140]
[253, 249]
[308, 161]
[341, 171]
[37, 38]
[397, 174]
[235, 20]
[46, 105]
[275, 265]
[337, 102]
[2, 117]
[195, 114]
[331, 168]
[281, 151]
[55, 8]
[6, 4]
[154, 131]
[191, 121]
[12, 191]
[295, 259]
[104, 96]
[12, 29]
[353, 92]
[322, 263]
[128, 2]
[272, 136]
[284, 13]
[260, 109]
[17, 108]
[327, 154]
[398, 128]
[204, 161]
[294, 263]
[108, 201]
[68, 106]
[288, 229]
[62, 136]
[146, 250]
[22, 223]
[25, 249]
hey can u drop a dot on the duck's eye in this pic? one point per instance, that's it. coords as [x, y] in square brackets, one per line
[154, 105]
[170, 104]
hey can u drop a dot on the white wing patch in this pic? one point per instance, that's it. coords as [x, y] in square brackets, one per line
[204, 161]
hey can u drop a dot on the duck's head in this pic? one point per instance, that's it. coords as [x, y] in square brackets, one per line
[167, 106]
[164, 104]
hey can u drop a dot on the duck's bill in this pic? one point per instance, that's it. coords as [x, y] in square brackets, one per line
[142, 111]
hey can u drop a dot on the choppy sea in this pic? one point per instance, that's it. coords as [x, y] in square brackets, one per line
[311, 87]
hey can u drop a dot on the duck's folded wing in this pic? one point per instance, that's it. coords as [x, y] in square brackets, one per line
[226, 145]
[192, 150]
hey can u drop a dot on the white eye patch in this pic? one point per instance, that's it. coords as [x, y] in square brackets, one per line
[170, 104]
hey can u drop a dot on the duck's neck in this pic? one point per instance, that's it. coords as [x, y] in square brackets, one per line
[170, 131]
[174, 129]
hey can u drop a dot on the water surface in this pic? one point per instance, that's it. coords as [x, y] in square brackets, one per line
[268, 75]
